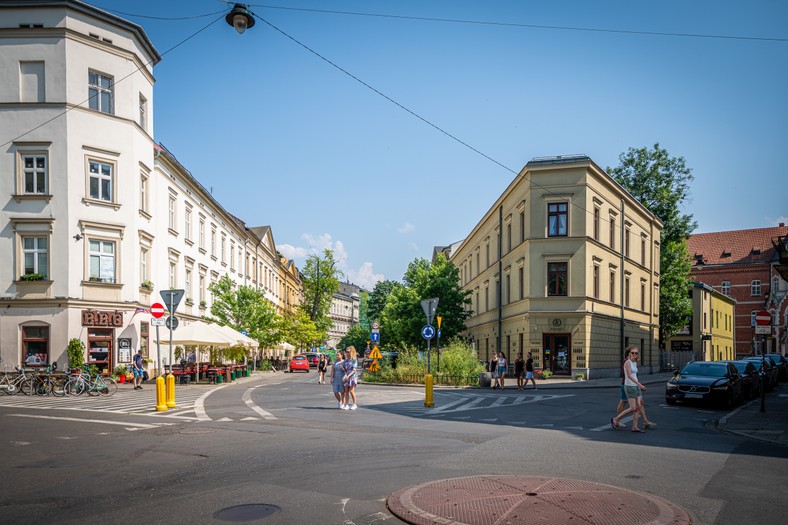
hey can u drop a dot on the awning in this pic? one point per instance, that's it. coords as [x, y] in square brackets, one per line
[197, 334]
[237, 336]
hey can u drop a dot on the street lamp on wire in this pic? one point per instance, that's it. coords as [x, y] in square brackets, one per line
[240, 18]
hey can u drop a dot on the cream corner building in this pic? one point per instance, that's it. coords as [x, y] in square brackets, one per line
[711, 333]
[564, 265]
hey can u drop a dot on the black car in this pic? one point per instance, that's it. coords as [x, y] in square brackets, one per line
[769, 375]
[706, 381]
[750, 378]
[782, 366]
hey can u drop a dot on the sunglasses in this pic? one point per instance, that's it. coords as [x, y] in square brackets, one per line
[633, 353]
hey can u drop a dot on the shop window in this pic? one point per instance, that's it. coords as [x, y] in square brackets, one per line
[100, 349]
[35, 345]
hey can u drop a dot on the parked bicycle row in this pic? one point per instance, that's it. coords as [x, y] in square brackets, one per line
[59, 384]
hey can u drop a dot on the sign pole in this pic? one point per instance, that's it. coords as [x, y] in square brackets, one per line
[158, 351]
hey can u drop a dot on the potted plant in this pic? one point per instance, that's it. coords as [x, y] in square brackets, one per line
[32, 277]
[120, 373]
[76, 353]
[203, 304]
[148, 285]
[580, 376]
[546, 374]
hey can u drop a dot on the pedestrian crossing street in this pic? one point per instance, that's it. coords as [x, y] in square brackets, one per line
[124, 401]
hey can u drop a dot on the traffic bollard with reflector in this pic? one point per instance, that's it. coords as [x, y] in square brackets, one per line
[161, 401]
[171, 391]
[428, 402]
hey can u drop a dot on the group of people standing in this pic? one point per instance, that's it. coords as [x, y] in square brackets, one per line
[343, 377]
[523, 371]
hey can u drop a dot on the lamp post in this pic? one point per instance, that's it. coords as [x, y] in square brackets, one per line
[240, 18]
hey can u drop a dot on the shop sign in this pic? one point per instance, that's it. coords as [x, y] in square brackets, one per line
[101, 318]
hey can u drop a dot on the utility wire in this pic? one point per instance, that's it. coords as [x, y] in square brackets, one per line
[530, 26]
[68, 109]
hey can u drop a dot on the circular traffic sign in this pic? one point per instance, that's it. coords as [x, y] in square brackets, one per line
[763, 318]
[428, 331]
[375, 325]
[157, 310]
[171, 322]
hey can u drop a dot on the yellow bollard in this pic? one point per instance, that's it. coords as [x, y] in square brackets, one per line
[428, 402]
[161, 402]
[171, 391]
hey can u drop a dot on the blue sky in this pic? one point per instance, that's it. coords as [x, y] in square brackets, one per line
[285, 139]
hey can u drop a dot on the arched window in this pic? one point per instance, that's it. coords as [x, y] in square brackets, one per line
[775, 284]
[756, 288]
[725, 287]
[752, 317]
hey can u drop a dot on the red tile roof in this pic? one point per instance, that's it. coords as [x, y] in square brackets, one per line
[736, 247]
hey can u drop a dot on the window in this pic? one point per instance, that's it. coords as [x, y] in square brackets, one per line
[626, 291]
[144, 193]
[756, 288]
[486, 298]
[35, 343]
[144, 264]
[100, 93]
[478, 267]
[522, 226]
[626, 242]
[172, 274]
[508, 291]
[643, 296]
[32, 86]
[143, 112]
[522, 282]
[612, 233]
[752, 317]
[213, 242]
[232, 255]
[557, 219]
[202, 234]
[187, 285]
[725, 287]
[224, 249]
[643, 251]
[187, 223]
[775, 284]
[34, 174]
[202, 288]
[596, 281]
[487, 251]
[102, 261]
[100, 184]
[508, 237]
[171, 213]
[596, 223]
[612, 286]
[36, 255]
[556, 278]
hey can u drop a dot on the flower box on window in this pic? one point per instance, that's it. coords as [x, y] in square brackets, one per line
[32, 277]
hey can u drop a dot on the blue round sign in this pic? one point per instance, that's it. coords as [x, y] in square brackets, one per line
[428, 331]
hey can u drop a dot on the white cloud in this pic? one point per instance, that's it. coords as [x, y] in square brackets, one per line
[776, 221]
[412, 246]
[363, 276]
[406, 228]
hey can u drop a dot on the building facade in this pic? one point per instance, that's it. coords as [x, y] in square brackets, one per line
[344, 312]
[710, 333]
[743, 264]
[564, 265]
[98, 218]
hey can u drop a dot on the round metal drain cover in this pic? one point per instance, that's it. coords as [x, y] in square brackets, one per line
[248, 512]
[518, 500]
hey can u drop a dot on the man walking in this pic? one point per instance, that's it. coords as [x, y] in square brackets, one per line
[529, 371]
[138, 370]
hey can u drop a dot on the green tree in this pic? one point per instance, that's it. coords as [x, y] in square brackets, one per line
[662, 183]
[244, 308]
[357, 336]
[320, 281]
[378, 298]
[363, 310]
[299, 330]
[403, 316]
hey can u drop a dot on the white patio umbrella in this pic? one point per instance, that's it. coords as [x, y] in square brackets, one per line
[196, 334]
[237, 336]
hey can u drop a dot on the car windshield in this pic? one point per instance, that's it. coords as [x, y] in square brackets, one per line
[299, 358]
[705, 369]
[741, 367]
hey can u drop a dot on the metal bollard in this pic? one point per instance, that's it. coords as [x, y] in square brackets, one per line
[428, 401]
[161, 402]
[171, 391]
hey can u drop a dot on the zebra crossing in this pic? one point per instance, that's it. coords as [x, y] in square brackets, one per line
[125, 401]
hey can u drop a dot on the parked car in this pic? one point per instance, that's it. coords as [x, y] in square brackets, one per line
[313, 358]
[750, 378]
[782, 366]
[705, 381]
[769, 375]
[299, 362]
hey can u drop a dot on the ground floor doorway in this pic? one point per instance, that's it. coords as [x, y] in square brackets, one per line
[555, 353]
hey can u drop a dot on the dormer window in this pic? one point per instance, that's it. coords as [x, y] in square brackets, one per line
[725, 254]
[756, 251]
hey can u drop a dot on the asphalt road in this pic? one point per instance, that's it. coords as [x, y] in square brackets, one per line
[279, 440]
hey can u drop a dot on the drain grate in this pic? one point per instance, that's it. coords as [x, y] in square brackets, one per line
[247, 512]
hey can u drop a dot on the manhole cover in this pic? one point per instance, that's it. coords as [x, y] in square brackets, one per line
[248, 512]
[515, 500]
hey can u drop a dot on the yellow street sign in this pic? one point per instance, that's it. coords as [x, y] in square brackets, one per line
[374, 366]
[375, 353]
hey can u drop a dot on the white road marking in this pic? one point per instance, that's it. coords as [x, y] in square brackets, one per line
[625, 419]
[199, 404]
[247, 398]
[97, 421]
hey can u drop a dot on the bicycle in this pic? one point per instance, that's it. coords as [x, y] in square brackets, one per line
[105, 386]
[15, 382]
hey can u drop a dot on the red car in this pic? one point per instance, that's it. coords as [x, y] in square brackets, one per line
[299, 362]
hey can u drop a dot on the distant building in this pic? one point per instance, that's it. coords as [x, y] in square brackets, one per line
[744, 264]
[565, 264]
[344, 312]
[710, 333]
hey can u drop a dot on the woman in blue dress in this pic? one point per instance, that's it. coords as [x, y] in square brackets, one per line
[349, 379]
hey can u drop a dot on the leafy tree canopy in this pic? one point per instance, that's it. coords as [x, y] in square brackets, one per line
[661, 184]
[357, 336]
[299, 330]
[320, 281]
[243, 308]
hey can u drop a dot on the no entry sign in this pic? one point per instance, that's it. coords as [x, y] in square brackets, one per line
[763, 318]
[157, 310]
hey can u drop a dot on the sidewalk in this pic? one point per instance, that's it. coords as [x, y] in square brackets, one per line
[770, 426]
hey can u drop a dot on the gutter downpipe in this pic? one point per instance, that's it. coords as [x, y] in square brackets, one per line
[621, 247]
[500, 276]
